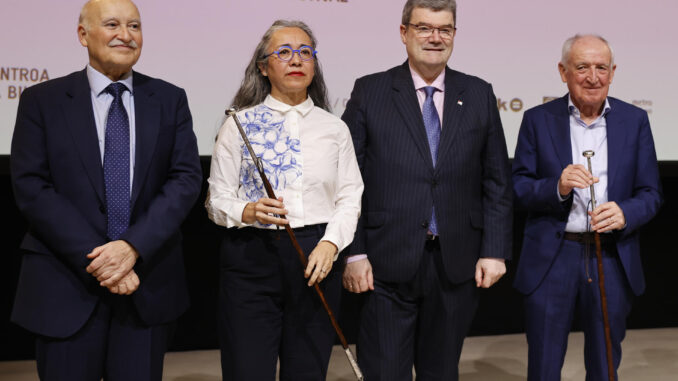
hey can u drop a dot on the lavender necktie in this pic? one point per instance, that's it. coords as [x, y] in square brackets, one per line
[116, 164]
[432, 124]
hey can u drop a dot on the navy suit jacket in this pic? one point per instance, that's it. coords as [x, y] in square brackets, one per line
[470, 184]
[544, 149]
[59, 187]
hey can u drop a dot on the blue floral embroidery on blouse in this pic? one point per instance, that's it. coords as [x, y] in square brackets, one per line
[272, 143]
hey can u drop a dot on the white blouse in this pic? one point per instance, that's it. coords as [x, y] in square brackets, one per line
[307, 154]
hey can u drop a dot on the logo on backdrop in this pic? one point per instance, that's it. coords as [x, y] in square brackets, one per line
[645, 104]
[14, 80]
[338, 104]
[515, 104]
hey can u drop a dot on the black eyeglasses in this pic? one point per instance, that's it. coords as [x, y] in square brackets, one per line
[425, 31]
[285, 53]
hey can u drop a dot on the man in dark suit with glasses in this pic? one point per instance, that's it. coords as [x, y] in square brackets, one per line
[437, 214]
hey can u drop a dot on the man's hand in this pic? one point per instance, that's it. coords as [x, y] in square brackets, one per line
[358, 276]
[127, 285]
[488, 271]
[320, 262]
[263, 211]
[574, 176]
[111, 262]
[607, 217]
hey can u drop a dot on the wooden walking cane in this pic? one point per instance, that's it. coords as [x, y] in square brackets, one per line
[601, 280]
[302, 257]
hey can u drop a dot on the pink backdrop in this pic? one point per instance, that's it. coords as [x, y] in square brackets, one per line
[204, 48]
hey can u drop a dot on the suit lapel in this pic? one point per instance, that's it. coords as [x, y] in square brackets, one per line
[147, 123]
[454, 90]
[405, 99]
[560, 131]
[79, 113]
[616, 137]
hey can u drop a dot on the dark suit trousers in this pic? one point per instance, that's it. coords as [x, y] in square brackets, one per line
[422, 322]
[113, 344]
[551, 308]
[266, 310]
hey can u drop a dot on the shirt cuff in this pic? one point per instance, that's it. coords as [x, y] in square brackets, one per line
[561, 198]
[355, 258]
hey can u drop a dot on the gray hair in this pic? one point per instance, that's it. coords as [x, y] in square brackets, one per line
[83, 19]
[567, 47]
[435, 5]
[255, 86]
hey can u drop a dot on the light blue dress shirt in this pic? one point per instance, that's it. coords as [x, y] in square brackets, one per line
[587, 137]
[101, 102]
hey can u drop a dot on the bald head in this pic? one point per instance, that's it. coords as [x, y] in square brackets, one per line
[93, 6]
[111, 32]
[84, 14]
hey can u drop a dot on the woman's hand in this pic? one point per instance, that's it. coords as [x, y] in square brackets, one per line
[320, 262]
[264, 211]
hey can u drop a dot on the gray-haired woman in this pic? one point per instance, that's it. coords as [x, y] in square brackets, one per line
[266, 309]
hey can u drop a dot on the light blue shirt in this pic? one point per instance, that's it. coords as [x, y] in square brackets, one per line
[101, 102]
[587, 137]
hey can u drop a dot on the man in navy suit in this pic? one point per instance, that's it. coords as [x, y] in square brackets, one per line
[105, 168]
[437, 214]
[557, 270]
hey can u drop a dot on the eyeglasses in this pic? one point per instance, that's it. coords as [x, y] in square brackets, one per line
[425, 31]
[285, 53]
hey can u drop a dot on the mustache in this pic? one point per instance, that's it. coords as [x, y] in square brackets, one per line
[117, 42]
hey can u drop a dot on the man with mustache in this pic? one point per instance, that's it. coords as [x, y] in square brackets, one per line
[437, 214]
[105, 168]
[557, 271]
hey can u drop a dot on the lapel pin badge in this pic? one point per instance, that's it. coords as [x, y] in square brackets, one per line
[460, 102]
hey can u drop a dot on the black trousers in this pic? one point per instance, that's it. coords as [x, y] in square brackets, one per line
[422, 322]
[114, 345]
[266, 310]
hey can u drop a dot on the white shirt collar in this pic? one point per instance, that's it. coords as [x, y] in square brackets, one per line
[576, 113]
[98, 82]
[302, 108]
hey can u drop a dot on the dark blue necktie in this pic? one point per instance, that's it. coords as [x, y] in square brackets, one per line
[432, 124]
[116, 164]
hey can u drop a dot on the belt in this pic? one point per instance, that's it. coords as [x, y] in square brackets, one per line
[587, 238]
[303, 230]
[308, 228]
